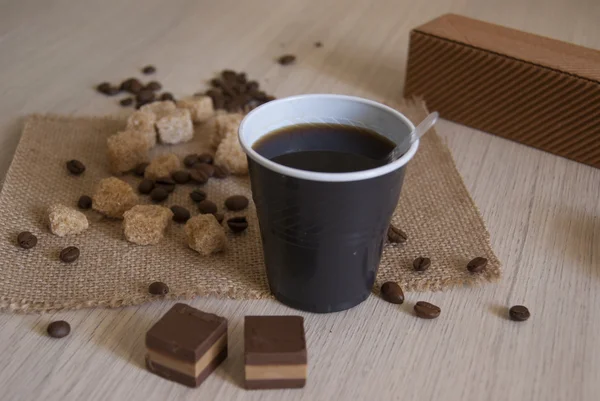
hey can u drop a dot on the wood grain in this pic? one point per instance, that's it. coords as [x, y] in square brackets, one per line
[543, 212]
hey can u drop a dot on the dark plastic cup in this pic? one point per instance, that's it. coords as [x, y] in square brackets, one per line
[323, 233]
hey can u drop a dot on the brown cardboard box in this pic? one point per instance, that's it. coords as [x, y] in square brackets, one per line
[533, 90]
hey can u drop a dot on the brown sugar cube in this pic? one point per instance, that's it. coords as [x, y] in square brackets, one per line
[201, 108]
[175, 127]
[64, 220]
[162, 166]
[126, 150]
[159, 109]
[205, 235]
[114, 197]
[224, 123]
[146, 224]
[144, 123]
[274, 352]
[231, 156]
[186, 345]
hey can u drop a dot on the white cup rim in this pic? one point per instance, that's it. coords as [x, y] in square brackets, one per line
[318, 176]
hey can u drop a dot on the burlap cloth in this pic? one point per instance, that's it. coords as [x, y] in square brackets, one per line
[435, 210]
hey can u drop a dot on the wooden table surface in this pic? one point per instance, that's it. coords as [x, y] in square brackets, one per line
[543, 212]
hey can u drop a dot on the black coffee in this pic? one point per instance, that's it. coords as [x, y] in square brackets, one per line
[325, 148]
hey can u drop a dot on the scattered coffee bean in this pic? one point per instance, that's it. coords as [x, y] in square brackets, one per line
[190, 159]
[199, 176]
[70, 254]
[287, 59]
[205, 158]
[158, 288]
[128, 101]
[221, 172]
[208, 169]
[391, 292]
[425, 310]
[318, 44]
[107, 89]
[146, 186]
[75, 167]
[236, 202]
[237, 224]
[198, 195]
[145, 96]
[219, 217]
[396, 235]
[519, 313]
[180, 214]
[167, 183]
[140, 169]
[167, 96]
[154, 86]
[234, 93]
[132, 85]
[26, 240]
[181, 176]
[477, 265]
[421, 264]
[84, 202]
[159, 194]
[207, 207]
[58, 329]
[149, 69]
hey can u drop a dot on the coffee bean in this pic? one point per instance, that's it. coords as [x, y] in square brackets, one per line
[180, 214]
[197, 195]
[191, 159]
[318, 44]
[286, 59]
[519, 313]
[237, 224]
[75, 167]
[219, 217]
[154, 86]
[396, 235]
[145, 96]
[159, 194]
[229, 75]
[128, 101]
[221, 172]
[205, 158]
[208, 169]
[166, 182]
[107, 89]
[242, 78]
[140, 169]
[58, 329]
[425, 310]
[84, 202]
[477, 265]
[26, 240]
[236, 202]
[146, 186]
[167, 96]
[199, 176]
[421, 264]
[149, 69]
[158, 288]
[207, 207]
[70, 254]
[181, 177]
[391, 292]
[132, 85]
